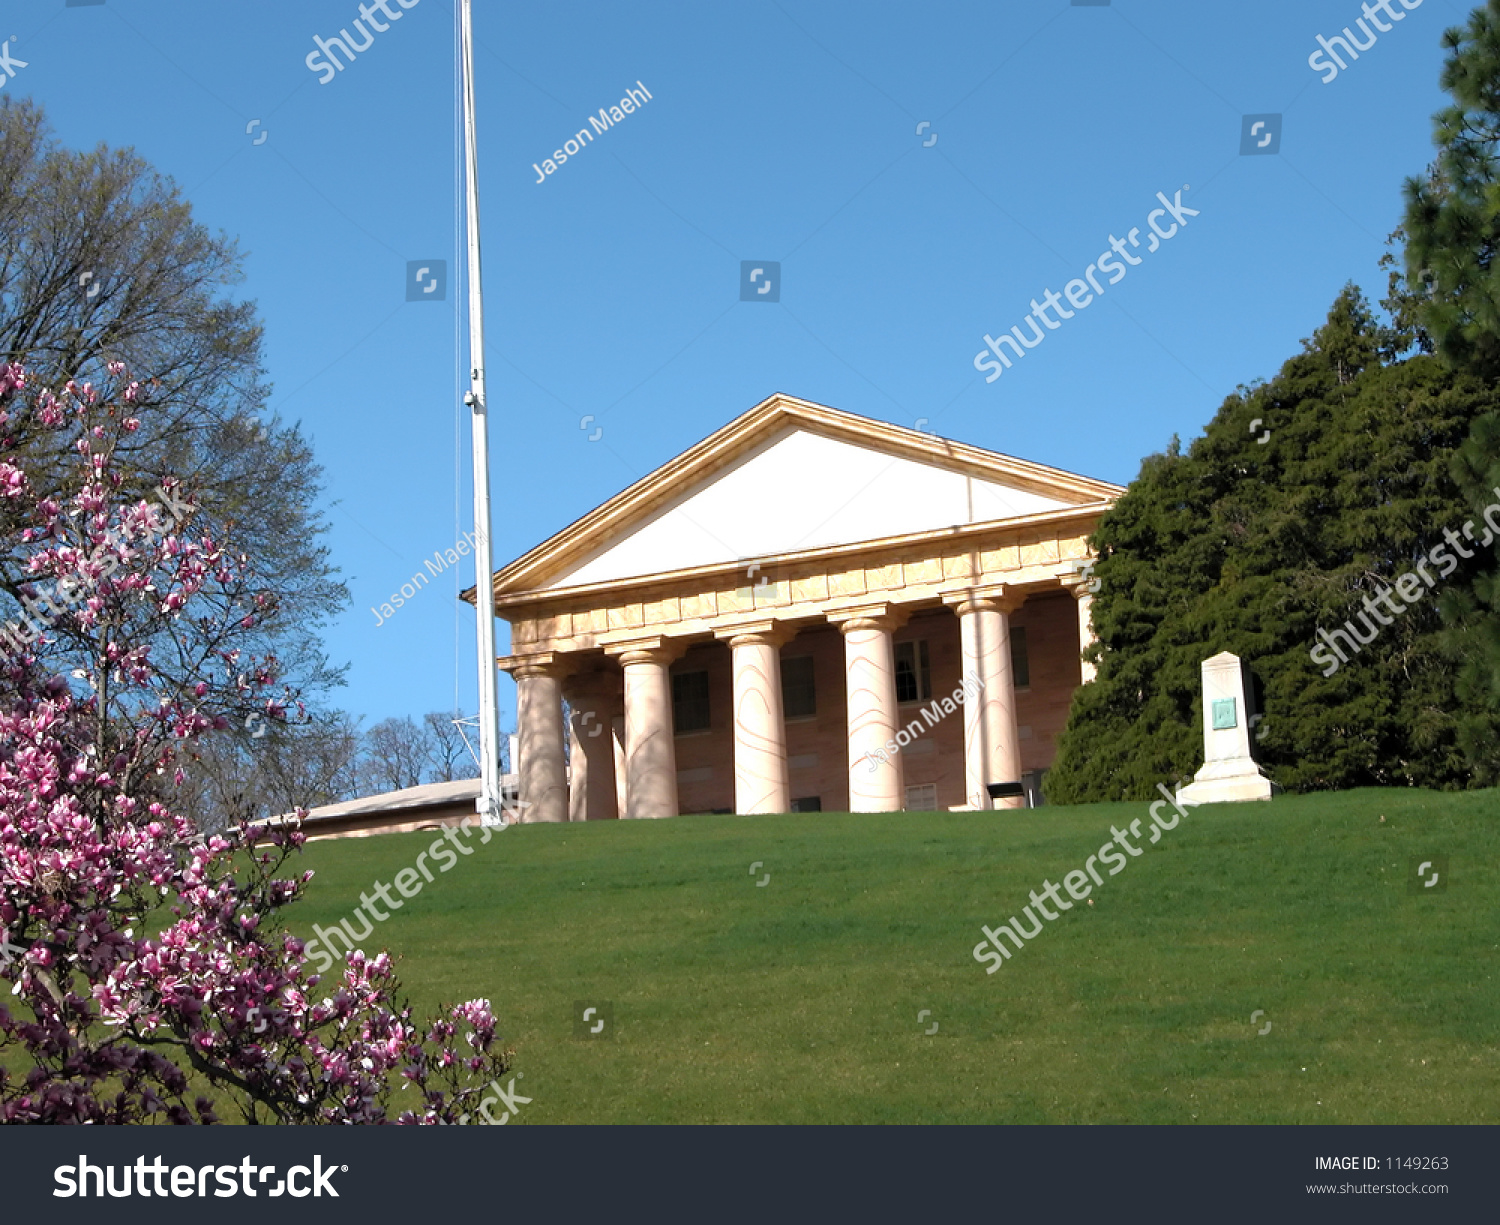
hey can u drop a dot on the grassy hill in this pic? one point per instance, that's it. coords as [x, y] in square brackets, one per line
[798, 1000]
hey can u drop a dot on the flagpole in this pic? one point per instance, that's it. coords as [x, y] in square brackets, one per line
[489, 804]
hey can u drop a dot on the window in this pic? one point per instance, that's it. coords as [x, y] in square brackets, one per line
[690, 702]
[921, 798]
[913, 674]
[808, 803]
[1020, 664]
[799, 697]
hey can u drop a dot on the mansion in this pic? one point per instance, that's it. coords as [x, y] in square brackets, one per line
[807, 611]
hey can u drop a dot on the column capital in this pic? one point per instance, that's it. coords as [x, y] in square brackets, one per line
[540, 663]
[1078, 579]
[882, 616]
[995, 597]
[658, 649]
[764, 632]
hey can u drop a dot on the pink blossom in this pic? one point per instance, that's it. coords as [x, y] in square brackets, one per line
[149, 950]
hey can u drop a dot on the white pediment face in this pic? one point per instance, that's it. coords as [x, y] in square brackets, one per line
[802, 490]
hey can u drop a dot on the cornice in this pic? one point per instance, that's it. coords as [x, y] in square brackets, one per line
[525, 576]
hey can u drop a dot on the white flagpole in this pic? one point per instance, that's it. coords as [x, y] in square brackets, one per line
[489, 803]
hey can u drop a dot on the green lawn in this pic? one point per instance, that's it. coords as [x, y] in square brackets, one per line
[797, 1001]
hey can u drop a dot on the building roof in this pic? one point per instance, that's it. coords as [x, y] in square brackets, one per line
[793, 477]
[426, 796]
[431, 804]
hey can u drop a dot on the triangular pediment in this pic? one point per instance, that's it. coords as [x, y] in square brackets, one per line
[787, 477]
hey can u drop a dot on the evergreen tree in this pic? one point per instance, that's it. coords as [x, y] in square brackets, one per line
[1251, 547]
[1473, 609]
[1453, 219]
[1453, 214]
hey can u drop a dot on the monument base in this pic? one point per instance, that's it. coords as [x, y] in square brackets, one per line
[1224, 782]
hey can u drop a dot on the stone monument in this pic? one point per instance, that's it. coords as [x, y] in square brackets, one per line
[1229, 772]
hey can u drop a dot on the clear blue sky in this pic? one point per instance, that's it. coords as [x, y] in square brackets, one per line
[776, 132]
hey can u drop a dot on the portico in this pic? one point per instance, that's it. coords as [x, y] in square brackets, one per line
[755, 626]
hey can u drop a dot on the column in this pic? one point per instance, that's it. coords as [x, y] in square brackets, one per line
[593, 699]
[1086, 639]
[870, 678]
[992, 739]
[650, 753]
[761, 783]
[539, 724]
[617, 744]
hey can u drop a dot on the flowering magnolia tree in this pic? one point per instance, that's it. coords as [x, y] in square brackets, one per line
[149, 980]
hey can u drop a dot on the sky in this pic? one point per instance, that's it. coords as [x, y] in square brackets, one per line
[919, 172]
